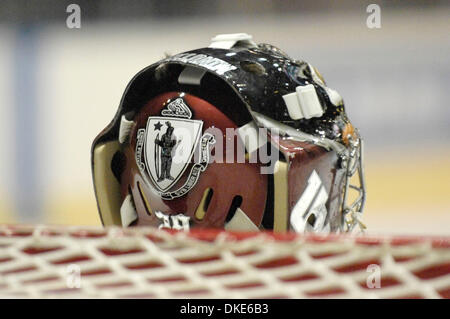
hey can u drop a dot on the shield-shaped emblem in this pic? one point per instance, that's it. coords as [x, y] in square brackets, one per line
[169, 146]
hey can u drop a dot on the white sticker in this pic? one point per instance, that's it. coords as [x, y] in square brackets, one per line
[208, 62]
[310, 213]
[177, 222]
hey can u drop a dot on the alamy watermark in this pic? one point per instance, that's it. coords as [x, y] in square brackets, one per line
[73, 276]
[232, 146]
[374, 279]
[374, 18]
[73, 20]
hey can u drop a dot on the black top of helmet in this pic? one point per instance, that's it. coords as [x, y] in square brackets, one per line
[256, 78]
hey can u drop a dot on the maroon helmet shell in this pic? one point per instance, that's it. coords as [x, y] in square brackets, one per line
[236, 136]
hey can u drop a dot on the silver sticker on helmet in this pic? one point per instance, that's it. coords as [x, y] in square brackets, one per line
[208, 62]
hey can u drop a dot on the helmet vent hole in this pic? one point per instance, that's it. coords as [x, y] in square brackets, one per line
[147, 207]
[202, 208]
[253, 67]
[235, 204]
[118, 164]
[311, 220]
[208, 198]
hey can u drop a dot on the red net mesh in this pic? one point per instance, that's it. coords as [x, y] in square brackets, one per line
[52, 262]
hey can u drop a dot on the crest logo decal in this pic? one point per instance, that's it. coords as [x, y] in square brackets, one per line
[165, 148]
[177, 108]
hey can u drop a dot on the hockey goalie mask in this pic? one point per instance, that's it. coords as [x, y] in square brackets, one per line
[236, 136]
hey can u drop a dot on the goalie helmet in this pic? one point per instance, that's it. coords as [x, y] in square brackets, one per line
[237, 136]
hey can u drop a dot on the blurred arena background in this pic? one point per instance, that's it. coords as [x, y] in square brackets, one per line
[59, 87]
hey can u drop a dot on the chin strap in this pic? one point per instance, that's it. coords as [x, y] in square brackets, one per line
[354, 163]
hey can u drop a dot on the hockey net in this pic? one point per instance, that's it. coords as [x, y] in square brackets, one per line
[73, 262]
